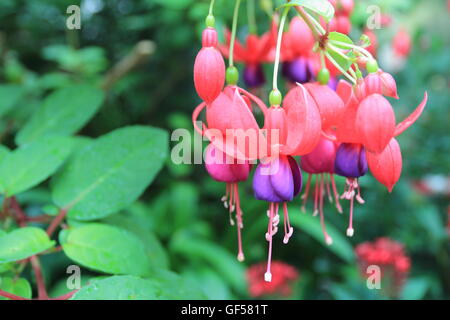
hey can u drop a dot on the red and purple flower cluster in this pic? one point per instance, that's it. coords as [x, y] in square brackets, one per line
[345, 128]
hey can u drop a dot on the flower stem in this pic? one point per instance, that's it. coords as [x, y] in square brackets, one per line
[308, 21]
[339, 68]
[233, 32]
[361, 50]
[211, 7]
[251, 16]
[278, 48]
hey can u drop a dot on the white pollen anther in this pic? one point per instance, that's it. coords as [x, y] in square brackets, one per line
[329, 240]
[268, 277]
[240, 257]
[350, 232]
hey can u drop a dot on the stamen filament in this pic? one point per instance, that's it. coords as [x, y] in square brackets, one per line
[268, 274]
[288, 230]
[240, 224]
[336, 195]
[305, 195]
[328, 239]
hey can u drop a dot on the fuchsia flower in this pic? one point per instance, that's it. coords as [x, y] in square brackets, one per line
[320, 163]
[298, 61]
[366, 132]
[373, 47]
[390, 256]
[402, 43]
[253, 54]
[341, 21]
[278, 179]
[284, 275]
[336, 128]
[209, 67]
[225, 161]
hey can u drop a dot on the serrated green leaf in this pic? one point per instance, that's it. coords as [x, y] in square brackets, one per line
[321, 7]
[63, 112]
[106, 248]
[110, 173]
[10, 95]
[20, 287]
[31, 164]
[311, 225]
[23, 243]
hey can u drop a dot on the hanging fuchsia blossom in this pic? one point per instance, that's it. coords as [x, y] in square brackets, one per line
[336, 127]
[209, 67]
[253, 55]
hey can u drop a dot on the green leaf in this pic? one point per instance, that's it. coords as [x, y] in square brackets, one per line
[31, 164]
[311, 225]
[341, 61]
[63, 112]
[340, 37]
[119, 288]
[23, 243]
[106, 248]
[175, 287]
[321, 7]
[415, 288]
[9, 96]
[222, 261]
[4, 151]
[155, 251]
[162, 286]
[20, 287]
[110, 173]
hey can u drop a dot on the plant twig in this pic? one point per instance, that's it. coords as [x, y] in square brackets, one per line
[66, 296]
[139, 54]
[56, 222]
[11, 296]
[20, 214]
[42, 291]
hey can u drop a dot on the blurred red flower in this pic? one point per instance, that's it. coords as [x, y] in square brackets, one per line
[283, 276]
[390, 257]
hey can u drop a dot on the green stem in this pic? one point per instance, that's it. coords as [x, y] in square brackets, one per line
[316, 23]
[339, 68]
[322, 59]
[251, 16]
[338, 51]
[352, 46]
[233, 32]
[310, 24]
[278, 48]
[211, 7]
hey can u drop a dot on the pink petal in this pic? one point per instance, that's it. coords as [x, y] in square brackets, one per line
[402, 126]
[386, 166]
[375, 122]
[303, 122]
